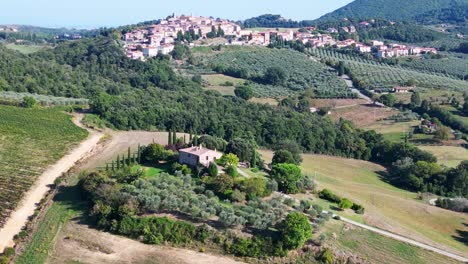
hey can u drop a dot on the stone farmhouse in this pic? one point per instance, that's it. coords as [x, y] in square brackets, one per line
[198, 155]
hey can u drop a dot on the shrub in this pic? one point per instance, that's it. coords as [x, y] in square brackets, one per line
[345, 203]
[327, 256]
[358, 209]
[295, 230]
[329, 196]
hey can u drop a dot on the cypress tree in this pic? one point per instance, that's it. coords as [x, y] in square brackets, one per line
[118, 162]
[174, 137]
[169, 138]
[113, 168]
[129, 157]
[107, 166]
[195, 140]
[185, 139]
[139, 153]
[190, 136]
[254, 159]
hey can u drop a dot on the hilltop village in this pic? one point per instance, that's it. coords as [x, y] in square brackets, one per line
[161, 38]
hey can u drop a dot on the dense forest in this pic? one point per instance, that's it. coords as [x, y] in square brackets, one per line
[274, 21]
[399, 10]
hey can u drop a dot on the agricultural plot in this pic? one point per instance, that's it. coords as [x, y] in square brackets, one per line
[375, 75]
[362, 115]
[450, 65]
[30, 140]
[301, 72]
[45, 100]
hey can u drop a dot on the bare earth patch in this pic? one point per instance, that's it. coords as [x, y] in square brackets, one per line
[334, 103]
[85, 245]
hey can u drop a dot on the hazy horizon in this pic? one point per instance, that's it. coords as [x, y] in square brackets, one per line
[105, 13]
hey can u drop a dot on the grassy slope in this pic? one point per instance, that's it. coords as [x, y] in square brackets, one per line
[375, 248]
[386, 206]
[30, 140]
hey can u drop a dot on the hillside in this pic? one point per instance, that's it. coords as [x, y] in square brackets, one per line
[394, 10]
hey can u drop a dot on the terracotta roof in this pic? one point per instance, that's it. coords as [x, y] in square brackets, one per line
[197, 151]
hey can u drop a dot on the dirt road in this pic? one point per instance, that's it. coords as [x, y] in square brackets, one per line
[26, 208]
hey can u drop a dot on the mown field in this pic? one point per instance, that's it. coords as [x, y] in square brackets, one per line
[375, 75]
[449, 156]
[375, 248]
[387, 206]
[30, 140]
[252, 62]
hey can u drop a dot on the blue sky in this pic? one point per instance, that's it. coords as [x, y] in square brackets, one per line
[97, 13]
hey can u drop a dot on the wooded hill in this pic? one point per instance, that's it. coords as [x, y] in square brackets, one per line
[401, 10]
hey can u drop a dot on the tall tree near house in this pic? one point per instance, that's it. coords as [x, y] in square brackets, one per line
[195, 140]
[118, 162]
[174, 137]
[169, 138]
[112, 164]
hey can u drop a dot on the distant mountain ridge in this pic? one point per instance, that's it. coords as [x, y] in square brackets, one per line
[398, 10]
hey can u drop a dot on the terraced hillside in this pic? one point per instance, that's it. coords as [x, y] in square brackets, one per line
[369, 74]
[30, 140]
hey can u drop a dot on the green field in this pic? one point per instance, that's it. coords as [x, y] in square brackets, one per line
[217, 82]
[67, 204]
[391, 130]
[25, 49]
[150, 172]
[386, 206]
[30, 140]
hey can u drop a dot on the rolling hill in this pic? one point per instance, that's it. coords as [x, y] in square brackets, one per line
[398, 10]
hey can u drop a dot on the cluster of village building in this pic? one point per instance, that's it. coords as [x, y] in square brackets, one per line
[161, 38]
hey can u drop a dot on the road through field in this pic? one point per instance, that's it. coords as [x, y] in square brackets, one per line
[393, 236]
[28, 204]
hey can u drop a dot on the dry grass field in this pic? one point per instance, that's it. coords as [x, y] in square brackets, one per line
[362, 115]
[387, 207]
[449, 156]
[336, 103]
